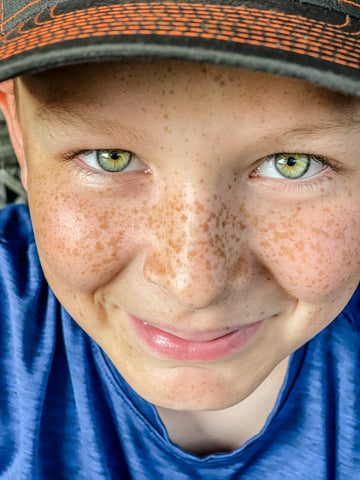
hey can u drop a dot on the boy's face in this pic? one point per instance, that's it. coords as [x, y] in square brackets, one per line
[203, 232]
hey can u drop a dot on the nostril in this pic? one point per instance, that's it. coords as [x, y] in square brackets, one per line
[156, 271]
[198, 282]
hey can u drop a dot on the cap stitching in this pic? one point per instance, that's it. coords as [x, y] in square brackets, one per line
[2, 17]
[34, 2]
[341, 55]
[356, 4]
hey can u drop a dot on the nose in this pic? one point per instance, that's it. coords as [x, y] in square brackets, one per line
[199, 252]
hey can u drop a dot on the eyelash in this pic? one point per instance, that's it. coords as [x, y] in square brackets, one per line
[325, 161]
[333, 164]
[302, 185]
[81, 167]
[308, 182]
[76, 153]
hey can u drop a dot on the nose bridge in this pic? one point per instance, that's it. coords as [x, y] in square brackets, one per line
[197, 254]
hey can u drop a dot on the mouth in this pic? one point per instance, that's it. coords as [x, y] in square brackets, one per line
[185, 346]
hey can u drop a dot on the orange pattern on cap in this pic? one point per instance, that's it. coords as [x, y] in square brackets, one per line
[357, 4]
[228, 23]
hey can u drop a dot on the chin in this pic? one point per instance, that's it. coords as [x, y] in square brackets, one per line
[194, 389]
[193, 405]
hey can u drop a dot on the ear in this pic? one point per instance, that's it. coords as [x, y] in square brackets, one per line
[8, 107]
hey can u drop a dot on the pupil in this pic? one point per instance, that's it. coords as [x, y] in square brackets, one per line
[114, 156]
[291, 161]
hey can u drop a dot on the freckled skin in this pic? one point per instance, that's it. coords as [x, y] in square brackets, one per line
[197, 244]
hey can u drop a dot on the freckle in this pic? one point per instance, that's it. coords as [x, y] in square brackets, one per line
[199, 207]
[265, 244]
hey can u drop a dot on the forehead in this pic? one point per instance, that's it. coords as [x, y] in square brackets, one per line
[99, 84]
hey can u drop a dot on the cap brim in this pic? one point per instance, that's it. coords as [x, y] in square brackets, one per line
[272, 40]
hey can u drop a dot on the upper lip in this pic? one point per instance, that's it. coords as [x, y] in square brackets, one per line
[198, 336]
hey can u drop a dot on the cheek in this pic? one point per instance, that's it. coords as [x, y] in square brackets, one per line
[312, 251]
[82, 242]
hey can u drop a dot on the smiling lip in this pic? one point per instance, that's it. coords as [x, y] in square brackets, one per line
[194, 347]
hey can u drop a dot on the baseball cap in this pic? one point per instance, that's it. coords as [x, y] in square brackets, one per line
[313, 40]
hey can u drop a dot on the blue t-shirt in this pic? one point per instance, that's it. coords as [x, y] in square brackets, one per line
[66, 413]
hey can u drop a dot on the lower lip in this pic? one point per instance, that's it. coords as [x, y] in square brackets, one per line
[175, 348]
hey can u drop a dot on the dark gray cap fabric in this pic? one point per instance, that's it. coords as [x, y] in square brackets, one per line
[313, 40]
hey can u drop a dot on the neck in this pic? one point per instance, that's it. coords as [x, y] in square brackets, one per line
[205, 432]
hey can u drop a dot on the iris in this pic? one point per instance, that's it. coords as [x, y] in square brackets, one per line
[292, 165]
[113, 160]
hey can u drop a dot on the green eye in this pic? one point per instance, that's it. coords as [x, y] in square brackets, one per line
[292, 165]
[113, 160]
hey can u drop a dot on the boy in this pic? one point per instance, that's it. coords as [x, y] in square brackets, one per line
[198, 225]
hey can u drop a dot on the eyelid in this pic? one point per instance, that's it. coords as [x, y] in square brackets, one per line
[76, 153]
[333, 164]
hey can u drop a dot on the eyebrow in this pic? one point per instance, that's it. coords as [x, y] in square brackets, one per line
[69, 117]
[346, 118]
[317, 130]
